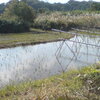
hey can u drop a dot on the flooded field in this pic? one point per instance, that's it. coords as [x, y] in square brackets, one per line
[40, 61]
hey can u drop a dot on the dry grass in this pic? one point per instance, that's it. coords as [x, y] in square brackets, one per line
[73, 85]
[59, 20]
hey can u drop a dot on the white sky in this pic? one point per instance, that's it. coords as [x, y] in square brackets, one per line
[65, 1]
[51, 1]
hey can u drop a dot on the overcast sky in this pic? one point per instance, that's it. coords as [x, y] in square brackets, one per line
[51, 1]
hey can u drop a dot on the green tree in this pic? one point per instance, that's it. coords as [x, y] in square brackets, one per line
[20, 11]
[17, 17]
[95, 6]
[2, 6]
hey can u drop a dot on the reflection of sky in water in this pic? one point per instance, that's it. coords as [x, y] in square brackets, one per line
[40, 61]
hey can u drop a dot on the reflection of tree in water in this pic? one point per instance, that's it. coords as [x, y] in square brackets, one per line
[76, 46]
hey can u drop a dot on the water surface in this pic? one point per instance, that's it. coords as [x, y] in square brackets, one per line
[40, 61]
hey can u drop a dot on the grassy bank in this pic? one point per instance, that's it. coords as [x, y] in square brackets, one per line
[81, 84]
[35, 36]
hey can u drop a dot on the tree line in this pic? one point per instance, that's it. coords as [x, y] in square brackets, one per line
[69, 6]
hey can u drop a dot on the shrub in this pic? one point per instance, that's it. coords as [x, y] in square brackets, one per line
[12, 26]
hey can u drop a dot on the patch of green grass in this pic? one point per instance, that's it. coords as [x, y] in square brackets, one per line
[81, 84]
[32, 37]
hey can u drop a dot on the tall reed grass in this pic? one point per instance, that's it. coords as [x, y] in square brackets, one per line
[66, 21]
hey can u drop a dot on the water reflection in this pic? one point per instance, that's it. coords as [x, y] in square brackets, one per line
[40, 61]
